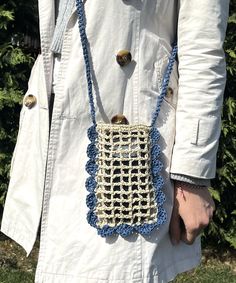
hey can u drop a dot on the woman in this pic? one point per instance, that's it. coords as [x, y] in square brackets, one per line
[130, 42]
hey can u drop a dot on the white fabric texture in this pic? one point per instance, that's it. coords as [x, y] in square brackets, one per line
[48, 173]
[56, 68]
[65, 10]
[191, 180]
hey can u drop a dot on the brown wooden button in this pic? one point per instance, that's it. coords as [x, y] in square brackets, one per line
[169, 92]
[30, 101]
[119, 119]
[123, 57]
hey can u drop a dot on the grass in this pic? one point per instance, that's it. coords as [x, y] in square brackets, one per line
[213, 271]
[15, 276]
[16, 268]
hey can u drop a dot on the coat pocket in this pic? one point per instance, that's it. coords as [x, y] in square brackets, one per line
[24, 131]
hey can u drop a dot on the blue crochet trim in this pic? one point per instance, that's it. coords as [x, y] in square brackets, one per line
[91, 184]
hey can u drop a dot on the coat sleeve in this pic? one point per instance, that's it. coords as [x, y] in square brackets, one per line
[202, 75]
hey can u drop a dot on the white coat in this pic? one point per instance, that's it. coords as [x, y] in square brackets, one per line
[47, 173]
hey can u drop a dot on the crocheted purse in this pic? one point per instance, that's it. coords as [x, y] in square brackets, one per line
[125, 185]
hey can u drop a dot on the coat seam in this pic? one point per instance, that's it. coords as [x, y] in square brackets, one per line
[55, 126]
[136, 74]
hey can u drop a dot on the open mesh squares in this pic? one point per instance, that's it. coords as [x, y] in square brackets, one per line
[124, 192]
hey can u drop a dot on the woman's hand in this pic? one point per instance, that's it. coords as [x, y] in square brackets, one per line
[192, 212]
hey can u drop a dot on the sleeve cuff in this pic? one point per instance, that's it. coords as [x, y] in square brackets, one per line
[191, 180]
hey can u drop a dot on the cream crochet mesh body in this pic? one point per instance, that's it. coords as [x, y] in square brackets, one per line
[124, 193]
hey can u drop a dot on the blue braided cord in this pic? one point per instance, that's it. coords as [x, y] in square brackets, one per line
[84, 41]
[165, 83]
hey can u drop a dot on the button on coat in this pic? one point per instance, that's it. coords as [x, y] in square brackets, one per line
[119, 119]
[123, 58]
[30, 101]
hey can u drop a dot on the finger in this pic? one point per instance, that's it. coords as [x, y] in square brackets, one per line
[174, 229]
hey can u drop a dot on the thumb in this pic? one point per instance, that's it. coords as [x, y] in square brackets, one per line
[174, 228]
[188, 236]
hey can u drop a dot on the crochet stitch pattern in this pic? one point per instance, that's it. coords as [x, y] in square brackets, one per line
[118, 203]
[125, 185]
[124, 191]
